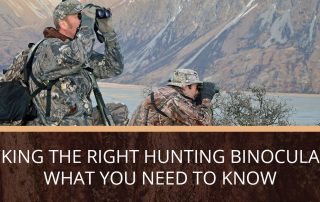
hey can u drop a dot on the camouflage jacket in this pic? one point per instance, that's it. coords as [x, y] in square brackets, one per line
[179, 109]
[64, 60]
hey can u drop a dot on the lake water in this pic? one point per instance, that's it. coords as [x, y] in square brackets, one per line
[307, 109]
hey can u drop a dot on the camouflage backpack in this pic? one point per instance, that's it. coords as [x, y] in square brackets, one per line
[16, 107]
[119, 113]
[14, 70]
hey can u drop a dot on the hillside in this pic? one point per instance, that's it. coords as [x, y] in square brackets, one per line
[237, 44]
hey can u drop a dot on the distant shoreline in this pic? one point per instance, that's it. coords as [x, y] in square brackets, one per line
[119, 85]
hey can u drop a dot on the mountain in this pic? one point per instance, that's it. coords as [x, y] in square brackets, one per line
[237, 44]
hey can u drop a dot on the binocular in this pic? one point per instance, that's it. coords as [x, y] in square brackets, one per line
[216, 88]
[103, 13]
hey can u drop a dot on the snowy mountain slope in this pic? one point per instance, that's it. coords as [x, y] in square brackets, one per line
[237, 44]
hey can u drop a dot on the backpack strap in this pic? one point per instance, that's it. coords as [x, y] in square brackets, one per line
[28, 72]
[27, 68]
[155, 106]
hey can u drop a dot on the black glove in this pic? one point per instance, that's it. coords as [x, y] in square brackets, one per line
[206, 91]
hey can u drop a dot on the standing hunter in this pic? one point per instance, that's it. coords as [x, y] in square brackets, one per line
[175, 104]
[65, 58]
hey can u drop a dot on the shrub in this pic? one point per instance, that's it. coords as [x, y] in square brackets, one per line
[251, 108]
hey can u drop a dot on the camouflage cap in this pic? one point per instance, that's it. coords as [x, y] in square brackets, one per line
[184, 77]
[65, 8]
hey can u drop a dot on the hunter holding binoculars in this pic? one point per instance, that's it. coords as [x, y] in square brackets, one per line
[184, 101]
[65, 60]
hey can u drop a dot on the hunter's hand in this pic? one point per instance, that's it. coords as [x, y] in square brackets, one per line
[103, 20]
[88, 16]
[90, 11]
[104, 25]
